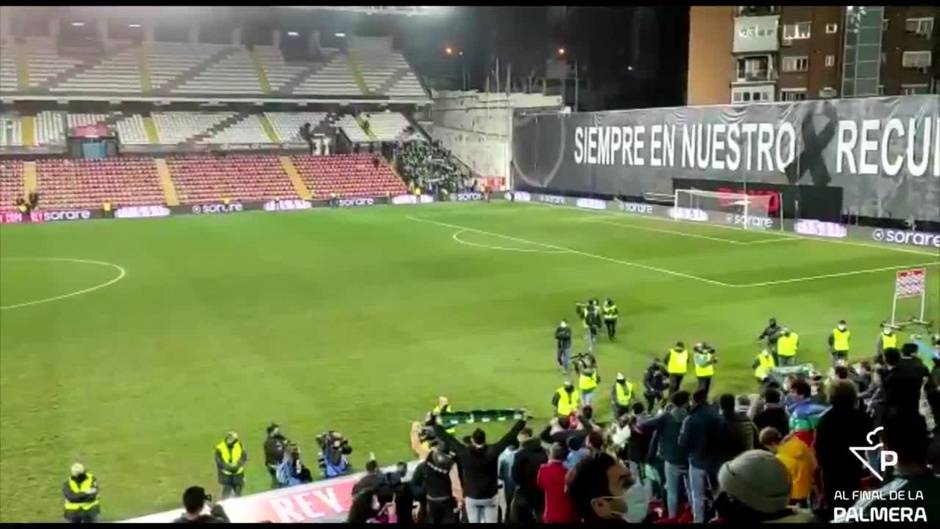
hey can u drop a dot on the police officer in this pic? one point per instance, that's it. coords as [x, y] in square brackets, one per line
[704, 356]
[888, 339]
[588, 380]
[787, 344]
[677, 365]
[443, 406]
[230, 459]
[563, 345]
[566, 400]
[611, 313]
[763, 364]
[81, 496]
[654, 383]
[839, 343]
[621, 395]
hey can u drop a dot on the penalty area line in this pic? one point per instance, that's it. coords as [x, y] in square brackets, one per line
[837, 274]
[573, 251]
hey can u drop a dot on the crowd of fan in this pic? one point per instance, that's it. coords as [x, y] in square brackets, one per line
[780, 455]
[432, 168]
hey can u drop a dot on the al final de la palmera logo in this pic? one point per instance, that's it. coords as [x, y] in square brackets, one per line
[899, 505]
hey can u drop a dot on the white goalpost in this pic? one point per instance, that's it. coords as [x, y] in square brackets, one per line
[749, 212]
[910, 283]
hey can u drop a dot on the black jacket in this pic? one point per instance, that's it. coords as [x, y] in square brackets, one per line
[563, 336]
[654, 381]
[274, 450]
[740, 434]
[525, 469]
[774, 415]
[839, 429]
[902, 385]
[479, 470]
[702, 435]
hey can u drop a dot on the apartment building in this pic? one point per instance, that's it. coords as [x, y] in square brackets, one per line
[792, 53]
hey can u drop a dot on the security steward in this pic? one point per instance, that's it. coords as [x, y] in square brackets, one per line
[81, 496]
[621, 395]
[704, 356]
[839, 343]
[588, 380]
[763, 364]
[787, 344]
[443, 406]
[888, 339]
[230, 459]
[566, 400]
[677, 365]
[611, 313]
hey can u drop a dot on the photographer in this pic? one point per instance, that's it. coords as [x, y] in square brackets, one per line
[292, 471]
[333, 451]
[274, 446]
[195, 500]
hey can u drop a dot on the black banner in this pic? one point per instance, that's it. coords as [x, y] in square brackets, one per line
[884, 153]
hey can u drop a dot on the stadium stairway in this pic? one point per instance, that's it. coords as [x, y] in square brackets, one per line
[357, 75]
[390, 82]
[22, 68]
[28, 130]
[197, 69]
[299, 186]
[151, 129]
[143, 67]
[29, 178]
[218, 127]
[262, 74]
[84, 66]
[268, 128]
[301, 76]
[368, 131]
[166, 182]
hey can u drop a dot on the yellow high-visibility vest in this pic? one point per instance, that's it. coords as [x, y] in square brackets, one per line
[840, 339]
[610, 312]
[766, 363]
[624, 393]
[786, 345]
[889, 341]
[78, 489]
[678, 361]
[446, 409]
[587, 382]
[566, 405]
[231, 457]
[703, 367]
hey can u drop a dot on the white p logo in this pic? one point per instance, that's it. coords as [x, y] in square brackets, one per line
[889, 458]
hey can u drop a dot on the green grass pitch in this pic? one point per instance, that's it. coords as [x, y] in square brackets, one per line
[357, 320]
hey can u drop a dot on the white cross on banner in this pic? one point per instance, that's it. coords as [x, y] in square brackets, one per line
[910, 283]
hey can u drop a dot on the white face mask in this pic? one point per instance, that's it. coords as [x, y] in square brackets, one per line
[841, 327]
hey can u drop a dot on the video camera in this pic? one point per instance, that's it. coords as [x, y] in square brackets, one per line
[584, 362]
[334, 448]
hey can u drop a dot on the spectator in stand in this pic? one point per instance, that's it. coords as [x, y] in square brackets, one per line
[799, 460]
[478, 466]
[528, 502]
[579, 448]
[701, 437]
[195, 501]
[741, 432]
[755, 488]
[638, 447]
[274, 446]
[842, 426]
[373, 505]
[803, 411]
[504, 466]
[666, 427]
[373, 478]
[435, 479]
[551, 480]
[599, 489]
[773, 414]
[910, 375]
[905, 432]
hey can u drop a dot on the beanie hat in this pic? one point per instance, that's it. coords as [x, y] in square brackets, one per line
[758, 480]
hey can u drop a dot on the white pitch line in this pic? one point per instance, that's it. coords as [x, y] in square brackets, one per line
[120, 276]
[579, 252]
[456, 237]
[657, 230]
[837, 274]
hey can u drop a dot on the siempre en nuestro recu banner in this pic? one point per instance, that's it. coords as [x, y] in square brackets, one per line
[883, 152]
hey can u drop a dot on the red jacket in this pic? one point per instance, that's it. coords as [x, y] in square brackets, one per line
[558, 507]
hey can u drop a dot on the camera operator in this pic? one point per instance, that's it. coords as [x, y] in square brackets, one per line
[333, 451]
[274, 446]
[292, 471]
[195, 500]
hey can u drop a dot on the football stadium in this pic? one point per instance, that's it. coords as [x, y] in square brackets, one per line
[329, 264]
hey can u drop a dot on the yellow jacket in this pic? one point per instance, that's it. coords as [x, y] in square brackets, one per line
[801, 464]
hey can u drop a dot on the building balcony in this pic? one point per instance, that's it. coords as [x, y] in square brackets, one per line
[756, 11]
[756, 34]
[756, 77]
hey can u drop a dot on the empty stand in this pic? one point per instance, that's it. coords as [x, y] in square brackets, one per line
[247, 130]
[178, 127]
[8, 75]
[11, 183]
[45, 63]
[386, 126]
[407, 86]
[66, 183]
[352, 129]
[280, 73]
[347, 175]
[334, 78]
[202, 179]
[233, 74]
[11, 131]
[287, 124]
[118, 73]
[131, 130]
[169, 61]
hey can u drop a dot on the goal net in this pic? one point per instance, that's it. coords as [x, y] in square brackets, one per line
[737, 209]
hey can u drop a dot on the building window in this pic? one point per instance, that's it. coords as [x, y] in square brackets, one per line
[827, 92]
[914, 89]
[753, 69]
[798, 31]
[793, 94]
[795, 64]
[830, 60]
[832, 28]
[916, 59]
[921, 26]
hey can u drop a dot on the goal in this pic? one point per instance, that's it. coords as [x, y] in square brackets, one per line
[737, 209]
